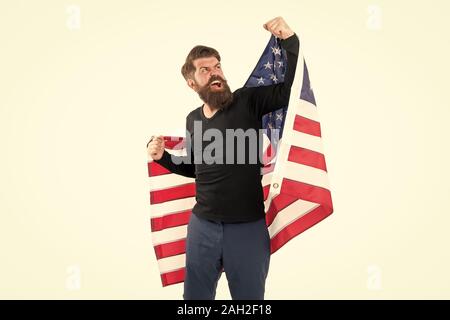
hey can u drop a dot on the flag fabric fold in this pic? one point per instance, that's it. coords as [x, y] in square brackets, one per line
[295, 181]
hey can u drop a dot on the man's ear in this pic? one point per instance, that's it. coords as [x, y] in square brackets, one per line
[191, 84]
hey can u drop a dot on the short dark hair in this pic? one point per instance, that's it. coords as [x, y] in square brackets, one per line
[188, 68]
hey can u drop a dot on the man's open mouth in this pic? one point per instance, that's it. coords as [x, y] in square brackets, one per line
[216, 84]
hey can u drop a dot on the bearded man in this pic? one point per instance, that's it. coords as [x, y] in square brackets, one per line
[227, 229]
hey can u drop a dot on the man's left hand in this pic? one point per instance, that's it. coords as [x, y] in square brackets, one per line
[279, 28]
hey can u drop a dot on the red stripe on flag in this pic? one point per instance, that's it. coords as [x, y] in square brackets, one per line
[268, 154]
[278, 203]
[174, 143]
[172, 277]
[266, 189]
[170, 220]
[306, 125]
[307, 157]
[298, 226]
[155, 169]
[170, 249]
[267, 168]
[178, 192]
[306, 192]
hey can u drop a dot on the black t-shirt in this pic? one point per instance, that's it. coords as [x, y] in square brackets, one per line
[232, 192]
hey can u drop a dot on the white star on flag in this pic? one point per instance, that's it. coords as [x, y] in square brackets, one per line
[268, 65]
[273, 78]
[276, 50]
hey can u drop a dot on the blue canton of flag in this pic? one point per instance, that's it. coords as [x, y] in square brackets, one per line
[270, 70]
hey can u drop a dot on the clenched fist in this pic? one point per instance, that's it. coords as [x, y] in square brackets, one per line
[156, 147]
[279, 28]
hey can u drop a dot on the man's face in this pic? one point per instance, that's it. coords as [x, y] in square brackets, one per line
[210, 83]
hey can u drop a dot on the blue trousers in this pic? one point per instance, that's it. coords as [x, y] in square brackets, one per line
[242, 250]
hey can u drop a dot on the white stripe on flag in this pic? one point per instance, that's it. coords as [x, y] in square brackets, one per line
[289, 214]
[305, 109]
[306, 141]
[169, 235]
[161, 209]
[178, 152]
[266, 142]
[306, 174]
[266, 179]
[168, 180]
[172, 263]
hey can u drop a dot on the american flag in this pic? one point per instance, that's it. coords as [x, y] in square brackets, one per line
[295, 181]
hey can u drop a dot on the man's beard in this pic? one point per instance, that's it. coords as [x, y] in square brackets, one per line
[216, 98]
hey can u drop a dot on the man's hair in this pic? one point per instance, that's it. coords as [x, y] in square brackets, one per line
[188, 68]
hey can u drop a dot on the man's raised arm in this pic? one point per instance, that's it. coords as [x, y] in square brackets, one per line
[265, 99]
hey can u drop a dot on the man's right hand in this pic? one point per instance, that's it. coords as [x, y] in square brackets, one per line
[156, 147]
